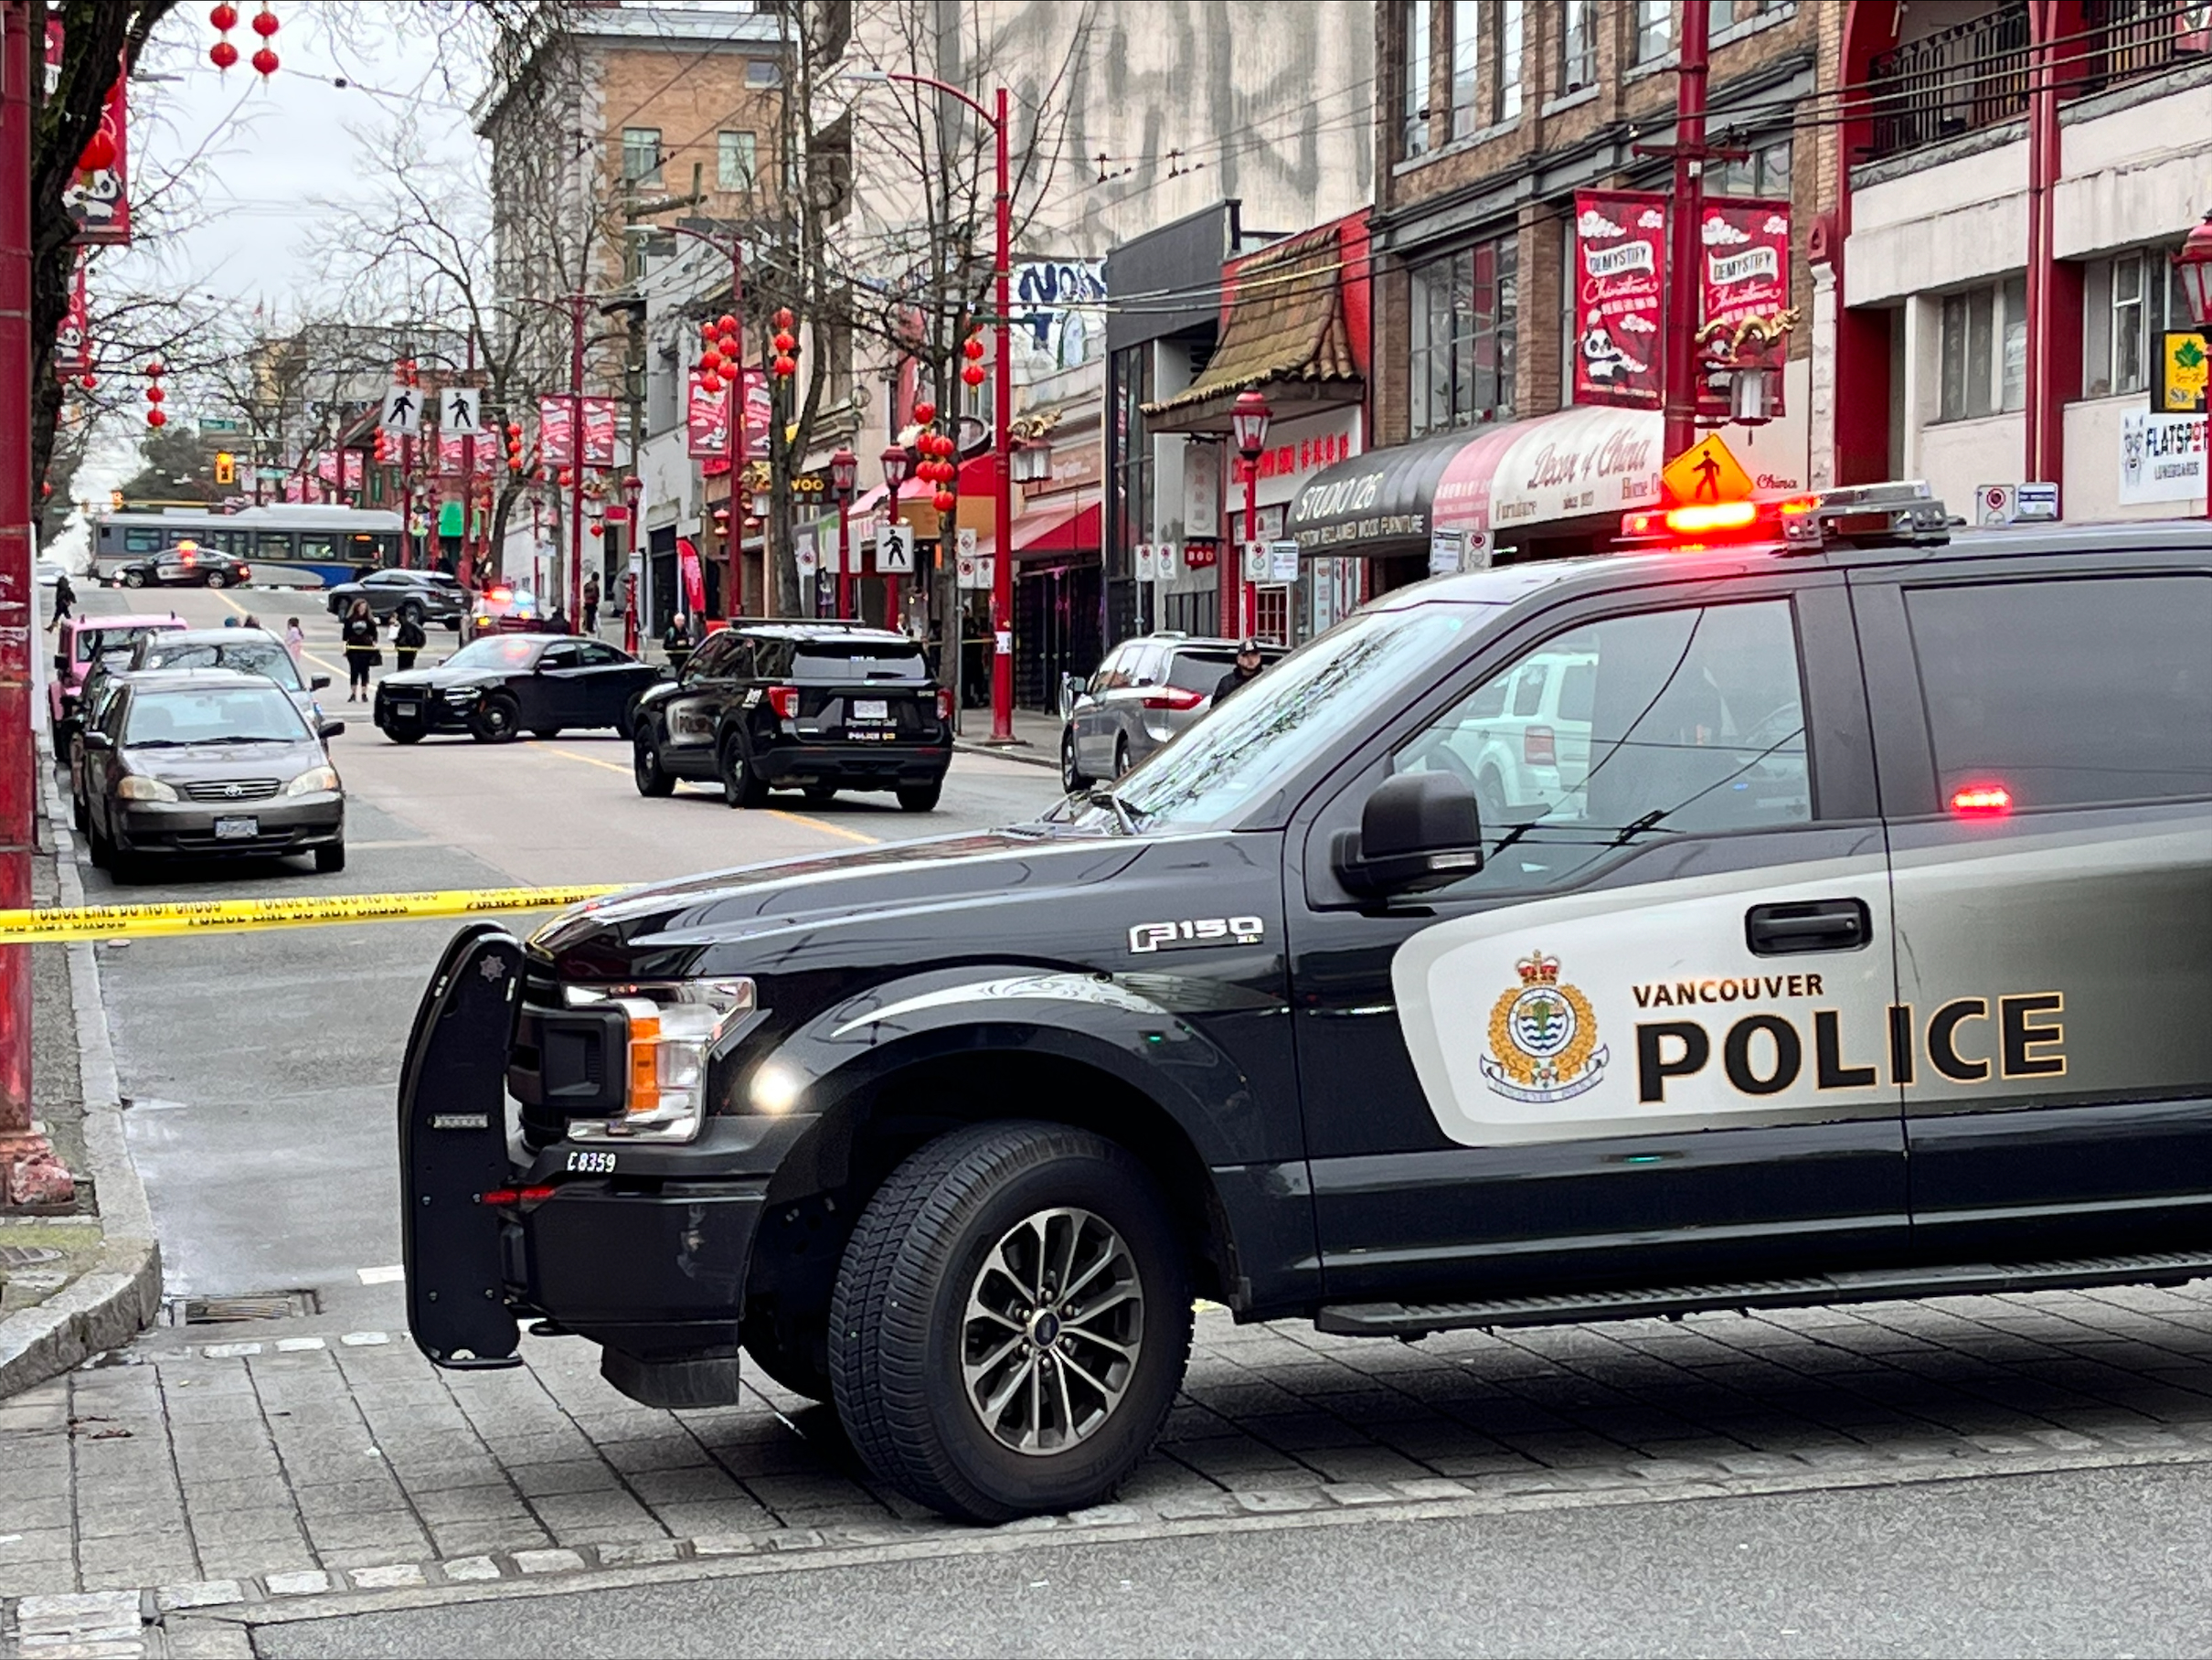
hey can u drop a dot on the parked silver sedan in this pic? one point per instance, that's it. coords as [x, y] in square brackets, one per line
[1145, 693]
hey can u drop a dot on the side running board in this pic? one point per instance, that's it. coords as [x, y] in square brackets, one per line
[1874, 1285]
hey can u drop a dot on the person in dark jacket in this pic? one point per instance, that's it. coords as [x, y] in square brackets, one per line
[406, 640]
[358, 633]
[1247, 671]
[64, 601]
[591, 604]
[676, 643]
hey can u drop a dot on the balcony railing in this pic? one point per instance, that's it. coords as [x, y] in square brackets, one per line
[1975, 74]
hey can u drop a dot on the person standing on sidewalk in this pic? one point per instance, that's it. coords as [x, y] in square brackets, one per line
[359, 634]
[64, 601]
[676, 643]
[591, 604]
[1249, 664]
[406, 640]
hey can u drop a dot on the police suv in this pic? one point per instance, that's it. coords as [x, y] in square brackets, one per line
[1856, 943]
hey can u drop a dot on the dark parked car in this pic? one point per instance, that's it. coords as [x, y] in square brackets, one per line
[818, 707]
[205, 762]
[428, 596]
[498, 687]
[186, 564]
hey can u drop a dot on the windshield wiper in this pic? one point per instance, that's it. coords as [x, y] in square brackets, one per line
[1124, 813]
[1636, 827]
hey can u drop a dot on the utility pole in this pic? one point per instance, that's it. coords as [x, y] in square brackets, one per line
[30, 1173]
[1685, 293]
[573, 600]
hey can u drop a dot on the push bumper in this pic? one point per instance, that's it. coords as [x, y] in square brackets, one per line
[642, 1247]
[188, 829]
[854, 766]
[428, 711]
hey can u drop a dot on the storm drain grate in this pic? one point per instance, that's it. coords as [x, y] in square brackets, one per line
[232, 1310]
[27, 1256]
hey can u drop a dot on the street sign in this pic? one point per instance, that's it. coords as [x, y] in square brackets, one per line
[459, 409]
[2036, 502]
[1283, 562]
[219, 426]
[895, 551]
[1443, 552]
[803, 553]
[1705, 471]
[2184, 367]
[273, 476]
[1255, 561]
[1148, 563]
[1164, 561]
[402, 409]
[1995, 504]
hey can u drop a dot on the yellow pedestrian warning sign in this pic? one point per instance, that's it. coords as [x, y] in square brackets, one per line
[1705, 471]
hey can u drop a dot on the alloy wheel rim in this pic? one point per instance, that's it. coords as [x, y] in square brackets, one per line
[1052, 1332]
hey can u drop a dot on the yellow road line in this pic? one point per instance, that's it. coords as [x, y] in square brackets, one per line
[322, 663]
[231, 916]
[590, 761]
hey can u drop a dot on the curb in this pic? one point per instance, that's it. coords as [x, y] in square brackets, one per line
[1020, 750]
[121, 1295]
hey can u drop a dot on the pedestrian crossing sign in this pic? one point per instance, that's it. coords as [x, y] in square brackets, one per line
[1705, 471]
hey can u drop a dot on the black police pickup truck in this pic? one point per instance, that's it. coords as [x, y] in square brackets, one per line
[1849, 855]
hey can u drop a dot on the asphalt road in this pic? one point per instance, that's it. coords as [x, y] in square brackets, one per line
[261, 1068]
[2106, 1562]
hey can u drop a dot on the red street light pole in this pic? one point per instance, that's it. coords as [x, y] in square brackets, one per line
[1002, 437]
[1687, 220]
[30, 1173]
[2193, 265]
[845, 472]
[1248, 418]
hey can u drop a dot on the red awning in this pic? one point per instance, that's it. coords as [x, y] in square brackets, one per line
[1057, 524]
[976, 477]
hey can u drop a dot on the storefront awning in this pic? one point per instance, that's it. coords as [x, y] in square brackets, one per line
[1055, 525]
[1580, 463]
[1286, 332]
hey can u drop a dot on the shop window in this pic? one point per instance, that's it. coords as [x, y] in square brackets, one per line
[1466, 67]
[1512, 18]
[1727, 14]
[1272, 615]
[736, 161]
[1196, 612]
[2128, 302]
[1416, 71]
[1984, 348]
[1654, 29]
[1131, 498]
[1464, 318]
[764, 72]
[642, 156]
[1579, 45]
[1764, 172]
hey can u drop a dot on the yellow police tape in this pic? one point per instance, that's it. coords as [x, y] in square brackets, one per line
[230, 916]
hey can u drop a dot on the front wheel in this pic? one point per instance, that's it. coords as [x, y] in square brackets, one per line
[1071, 774]
[496, 720]
[1011, 1322]
[330, 860]
[1121, 755]
[133, 578]
[216, 578]
[404, 734]
[645, 766]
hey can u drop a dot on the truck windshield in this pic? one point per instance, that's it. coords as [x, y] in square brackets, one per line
[1256, 742]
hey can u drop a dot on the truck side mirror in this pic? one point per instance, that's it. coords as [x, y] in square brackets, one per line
[1418, 831]
[319, 683]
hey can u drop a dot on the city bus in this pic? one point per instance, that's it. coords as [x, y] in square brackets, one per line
[289, 544]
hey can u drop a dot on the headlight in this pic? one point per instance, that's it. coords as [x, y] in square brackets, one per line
[463, 693]
[136, 786]
[313, 780]
[673, 1028]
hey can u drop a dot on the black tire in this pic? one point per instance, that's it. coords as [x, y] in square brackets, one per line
[645, 766]
[1072, 775]
[330, 860]
[78, 814]
[898, 1319]
[1121, 756]
[410, 611]
[626, 724]
[734, 766]
[497, 719]
[922, 798]
[133, 578]
[547, 734]
[216, 578]
[404, 734]
[95, 845]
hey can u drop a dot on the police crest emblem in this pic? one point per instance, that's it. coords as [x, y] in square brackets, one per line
[1542, 1036]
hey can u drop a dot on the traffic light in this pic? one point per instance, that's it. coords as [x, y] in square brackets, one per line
[226, 467]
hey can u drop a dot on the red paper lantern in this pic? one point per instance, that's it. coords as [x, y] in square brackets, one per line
[787, 366]
[222, 54]
[154, 418]
[598, 531]
[710, 362]
[785, 342]
[975, 374]
[155, 394]
[944, 501]
[265, 63]
[88, 381]
[264, 22]
[924, 412]
[710, 384]
[783, 317]
[224, 16]
[514, 429]
[153, 369]
[973, 348]
[568, 476]
[708, 332]
[725, 324]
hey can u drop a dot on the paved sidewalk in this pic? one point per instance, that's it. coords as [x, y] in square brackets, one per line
[1036, 735]
[290, 1461]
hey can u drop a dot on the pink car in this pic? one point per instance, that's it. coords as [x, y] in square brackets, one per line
[85, 642]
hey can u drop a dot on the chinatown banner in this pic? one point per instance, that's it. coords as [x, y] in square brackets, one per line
[693, 579]
[1744, 246]
[98, 199]
[1620, 274]
[599, 431]
[73, 341]
[706, 415]
[556, 435]
[453, 454]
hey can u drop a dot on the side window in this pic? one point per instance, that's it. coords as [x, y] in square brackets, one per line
[557, 656]
[1686, 722]
[1143, 665]
[1109, 674]
[592, 654]
[707, 660]
[771, 659]
[2069, 692]
[1528, 690]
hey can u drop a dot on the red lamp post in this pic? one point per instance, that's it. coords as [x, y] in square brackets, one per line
[2193, 265]
[1249, 418]
[632, 544]
[845, 472]
[897, 465]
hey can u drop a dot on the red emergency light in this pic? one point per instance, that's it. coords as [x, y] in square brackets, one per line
[1982, 800]
[1702, 524]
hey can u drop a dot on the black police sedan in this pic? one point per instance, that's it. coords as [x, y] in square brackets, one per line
[817, 707]
[498, 687]
[186, 564]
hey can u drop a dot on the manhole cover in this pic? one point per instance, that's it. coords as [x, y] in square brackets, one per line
[229, 1310]
[26, 1256]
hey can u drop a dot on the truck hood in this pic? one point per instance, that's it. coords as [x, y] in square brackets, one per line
[732, 920]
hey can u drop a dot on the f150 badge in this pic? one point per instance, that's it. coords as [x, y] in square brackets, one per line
[1542, 1036]
[1198, 930]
